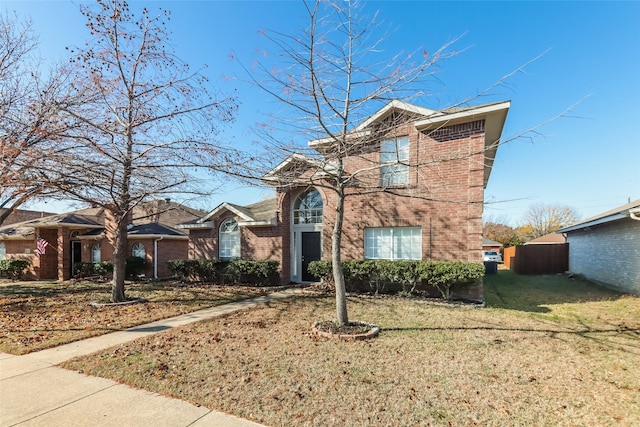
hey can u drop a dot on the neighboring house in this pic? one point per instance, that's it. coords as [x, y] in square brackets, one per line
[439, 216]
[80, 236]
[548, 239]
[606, 248]
[491, 245]
[20, 215]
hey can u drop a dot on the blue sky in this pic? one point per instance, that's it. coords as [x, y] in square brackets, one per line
[589, 160]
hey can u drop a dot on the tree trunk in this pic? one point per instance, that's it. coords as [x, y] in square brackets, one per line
[338, 274]
[119, 261]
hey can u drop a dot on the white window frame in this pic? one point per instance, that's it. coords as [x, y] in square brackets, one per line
[96, 253]
[229, 240]
[393, 243]
[306, 213]
[3, 251]
[137, 249]
[394, 160]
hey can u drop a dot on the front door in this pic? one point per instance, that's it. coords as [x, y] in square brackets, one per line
[311, 251]
[76, 253]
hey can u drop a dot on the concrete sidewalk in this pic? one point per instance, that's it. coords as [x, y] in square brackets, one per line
[33, 392]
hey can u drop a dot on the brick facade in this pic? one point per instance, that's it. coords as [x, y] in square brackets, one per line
[444, 197]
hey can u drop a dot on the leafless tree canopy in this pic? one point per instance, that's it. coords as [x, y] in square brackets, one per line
[138, 123]
[26, 117]
[544, 219]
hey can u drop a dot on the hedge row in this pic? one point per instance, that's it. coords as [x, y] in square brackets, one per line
[133, 268]
[14, 267]
[380, 276]
[256, 272]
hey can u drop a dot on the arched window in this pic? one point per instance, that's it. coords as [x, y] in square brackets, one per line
[96, 253]
[307, 208]
[229, 239]
[3, 251]
[138, 250]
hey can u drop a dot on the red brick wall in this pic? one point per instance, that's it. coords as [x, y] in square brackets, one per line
[168, 249]
[203, 243]
[49, 261]
[444, 196]
[25, 249]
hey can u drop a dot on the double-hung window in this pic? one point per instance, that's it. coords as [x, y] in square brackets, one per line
[393, 243]
[96, 253]
[229, 240]
[394, 160]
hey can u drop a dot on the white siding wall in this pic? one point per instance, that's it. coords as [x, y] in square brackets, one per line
[609, 254]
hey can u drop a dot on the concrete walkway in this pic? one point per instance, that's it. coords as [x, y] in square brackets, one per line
[34, 392]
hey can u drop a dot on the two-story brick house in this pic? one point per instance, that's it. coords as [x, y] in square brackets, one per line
[416, 191]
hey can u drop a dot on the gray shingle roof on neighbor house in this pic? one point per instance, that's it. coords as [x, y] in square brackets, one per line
[489, 242]
[614, 214]
[154, 218]
[154, 229]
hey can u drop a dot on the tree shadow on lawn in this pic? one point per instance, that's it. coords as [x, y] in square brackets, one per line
[512, 291]
[49, 289]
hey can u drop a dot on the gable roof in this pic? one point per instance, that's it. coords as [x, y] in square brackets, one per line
[262, 213]
[494, 115]
[629, 210]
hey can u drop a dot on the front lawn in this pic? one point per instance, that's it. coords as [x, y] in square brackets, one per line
[35, 316]
[546, 351]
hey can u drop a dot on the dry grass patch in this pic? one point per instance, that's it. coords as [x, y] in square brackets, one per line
[36, 316]
[431, 365]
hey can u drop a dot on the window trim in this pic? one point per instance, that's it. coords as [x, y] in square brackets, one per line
[314, 213]
[232, 251]
[96, 249]
[391, 240]
[394, 163]
[136, 247]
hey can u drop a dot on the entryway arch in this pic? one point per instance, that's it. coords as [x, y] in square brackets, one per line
[306, 233]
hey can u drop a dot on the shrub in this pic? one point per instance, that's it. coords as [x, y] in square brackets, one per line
[321, 269]
[380, 275]
[82, 269]
[445, 276]
[207, 270]
[134, 266]
[103, 268]
[14, 268]
[257, 272]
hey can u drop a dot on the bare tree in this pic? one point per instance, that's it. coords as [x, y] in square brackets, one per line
[140, 124]
[27, 118]
[542, 219]
[330, 78]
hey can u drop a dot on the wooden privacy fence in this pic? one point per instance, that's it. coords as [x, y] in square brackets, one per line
[537, 259]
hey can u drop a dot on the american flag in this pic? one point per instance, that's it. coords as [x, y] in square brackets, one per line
[41, 246]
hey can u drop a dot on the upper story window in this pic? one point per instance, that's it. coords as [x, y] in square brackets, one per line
[307, 208]
[138, 250]
[96, 253]
[229, 239]
[394, 158]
